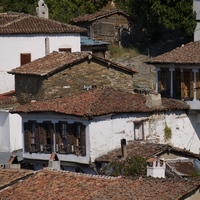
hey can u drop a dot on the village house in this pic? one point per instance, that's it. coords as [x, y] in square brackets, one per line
[25, 38]
[110, 25]
[83, 126]
[51, 184]
[163, 160]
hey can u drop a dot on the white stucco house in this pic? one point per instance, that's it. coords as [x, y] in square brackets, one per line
[24, 38]
[84, 126]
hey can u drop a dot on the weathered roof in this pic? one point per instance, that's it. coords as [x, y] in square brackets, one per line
[20, 23]
[99, 102]
[51, 184]
[7, 99]
[186, 54]
[146, 150]
[86, 41]
[182, 168]
[59, 60]
[10, 176]
[97, 15]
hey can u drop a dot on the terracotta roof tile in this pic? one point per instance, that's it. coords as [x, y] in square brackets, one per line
[9, 176]
[146, 150]
[8, 98]
[99, 102]
[186, 54]
[53, 184]
[20, 23]
[58, 60]
[97, 15]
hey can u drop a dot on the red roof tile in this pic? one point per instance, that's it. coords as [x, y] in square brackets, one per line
[99, 102]
[146, 150]
[58, 60]
[97, 15]
[186, 54]
[53, 184]
[9, 176]
[8, 98]
[19, 23]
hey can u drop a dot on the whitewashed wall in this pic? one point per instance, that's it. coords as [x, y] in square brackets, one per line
[12, 46]
[10, 132]
[104, 133]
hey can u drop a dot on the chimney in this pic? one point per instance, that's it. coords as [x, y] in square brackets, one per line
[153, 100]
[42, 10]
[13, 163]
[54, 162]
[156, 167]
[124, 148]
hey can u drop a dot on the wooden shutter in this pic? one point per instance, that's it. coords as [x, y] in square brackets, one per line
[182, 86]
[198, 85]
[58, 137]
[27, 137]
[83, 140]
[191, 84]
[25, 58]
[70, 139]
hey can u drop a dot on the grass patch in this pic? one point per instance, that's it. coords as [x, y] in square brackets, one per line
[118, 52]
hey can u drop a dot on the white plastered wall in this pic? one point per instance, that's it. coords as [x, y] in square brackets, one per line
[12, 46]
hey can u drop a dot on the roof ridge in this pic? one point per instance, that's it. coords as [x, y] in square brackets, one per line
[21, 17]
[81, 174]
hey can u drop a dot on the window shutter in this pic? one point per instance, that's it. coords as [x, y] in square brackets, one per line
[70, 139]
[83, 140]
[58, 137]
[198, 85]
[27, 137]
[191, 84]
[25, 58]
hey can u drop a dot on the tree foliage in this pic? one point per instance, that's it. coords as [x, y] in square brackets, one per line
[62, 10]
[131, 166]
[171, 14]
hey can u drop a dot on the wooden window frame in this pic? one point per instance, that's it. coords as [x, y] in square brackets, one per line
[75, 139]
[25, 58]
[141, 123]
[65, 50]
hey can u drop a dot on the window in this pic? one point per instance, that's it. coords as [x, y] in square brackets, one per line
[65, 50]
[164, 82]
[138, 131]
[70, 138]
[25, 58]
[38, 137]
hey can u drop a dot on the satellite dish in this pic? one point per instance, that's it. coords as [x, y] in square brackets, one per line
[197, 164]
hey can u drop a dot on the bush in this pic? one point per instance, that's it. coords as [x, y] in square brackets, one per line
[131, 166]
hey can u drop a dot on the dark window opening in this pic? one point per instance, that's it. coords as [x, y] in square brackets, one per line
[138, 131]
[65, 50]
[69, 138]
[25, 58]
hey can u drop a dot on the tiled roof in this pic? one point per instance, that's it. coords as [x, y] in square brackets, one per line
[99, 101]
[97, 15]
[186, 54]
[19, 23]
[59, 60]
[53, 184]
[10, 176]
[7, 99]
[182, 168]
[146, 150]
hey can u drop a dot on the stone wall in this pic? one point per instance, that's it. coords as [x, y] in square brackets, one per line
[73, 79]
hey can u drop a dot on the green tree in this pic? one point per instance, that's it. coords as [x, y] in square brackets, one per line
[62, 10]
[171, 14]
[131, 166]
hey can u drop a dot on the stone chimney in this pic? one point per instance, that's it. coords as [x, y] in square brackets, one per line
[124, 148]
[13, 163]
[153, 100]
[42, 10]
[156, 167]
[54, 162]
